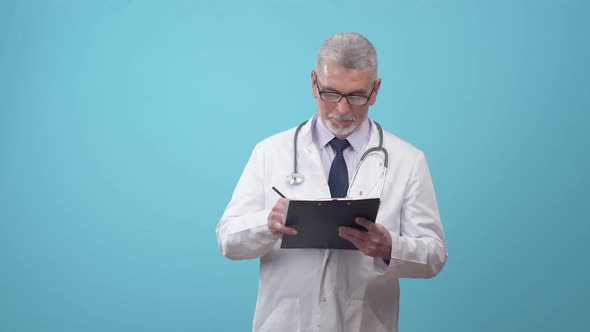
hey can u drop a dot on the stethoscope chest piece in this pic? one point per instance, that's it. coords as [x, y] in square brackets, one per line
[295, 178]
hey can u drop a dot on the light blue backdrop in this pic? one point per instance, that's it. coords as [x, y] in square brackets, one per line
[124, 126]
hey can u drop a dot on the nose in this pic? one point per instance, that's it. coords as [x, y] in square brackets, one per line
[343, 107]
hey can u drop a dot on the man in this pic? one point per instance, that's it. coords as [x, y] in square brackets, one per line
[327, 289]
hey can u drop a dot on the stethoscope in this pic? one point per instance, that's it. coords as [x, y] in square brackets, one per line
[295, 177]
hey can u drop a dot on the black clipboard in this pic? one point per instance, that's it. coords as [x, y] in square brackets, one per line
[317, 222]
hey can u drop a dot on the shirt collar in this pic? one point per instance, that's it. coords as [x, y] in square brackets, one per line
[358, 139]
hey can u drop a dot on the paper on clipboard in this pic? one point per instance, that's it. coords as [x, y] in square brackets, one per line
[317, 221]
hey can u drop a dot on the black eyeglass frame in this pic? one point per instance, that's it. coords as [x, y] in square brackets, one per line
[320, 92]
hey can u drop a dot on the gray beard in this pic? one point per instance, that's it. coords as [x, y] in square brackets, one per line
[340, 131]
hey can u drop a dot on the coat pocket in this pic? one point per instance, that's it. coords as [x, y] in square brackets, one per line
[285, 317]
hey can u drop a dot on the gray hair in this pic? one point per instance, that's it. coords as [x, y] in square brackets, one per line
[349, 49]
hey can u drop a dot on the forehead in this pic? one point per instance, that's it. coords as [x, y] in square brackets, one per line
[344, 79]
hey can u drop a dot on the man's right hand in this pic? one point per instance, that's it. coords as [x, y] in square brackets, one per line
[276, 219]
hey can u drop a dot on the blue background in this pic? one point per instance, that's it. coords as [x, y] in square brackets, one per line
[125, 125]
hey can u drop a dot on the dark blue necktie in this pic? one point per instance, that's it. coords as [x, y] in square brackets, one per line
[338, 179]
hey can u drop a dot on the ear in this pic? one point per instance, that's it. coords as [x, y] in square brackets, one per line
[314, 89]
[375, 92]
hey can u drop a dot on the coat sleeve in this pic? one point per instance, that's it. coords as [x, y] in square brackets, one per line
[242, 232]
[418, 250]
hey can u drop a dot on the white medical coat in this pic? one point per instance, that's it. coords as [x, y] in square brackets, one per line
[333, 290]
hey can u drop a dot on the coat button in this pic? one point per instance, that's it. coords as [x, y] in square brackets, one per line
[323, 299]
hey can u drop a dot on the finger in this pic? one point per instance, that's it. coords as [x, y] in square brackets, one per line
[280, 208]
[273, 217]
[281, 202]
[377, 233]
[356, 242]
[365, 223]
[353, 232]
[354, 235]
[279, 227]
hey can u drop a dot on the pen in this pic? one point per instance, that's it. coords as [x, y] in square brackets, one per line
[278, 192]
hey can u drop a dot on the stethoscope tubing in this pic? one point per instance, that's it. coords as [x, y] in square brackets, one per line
[296, 178]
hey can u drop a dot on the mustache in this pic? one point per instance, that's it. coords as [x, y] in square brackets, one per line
[341, 117]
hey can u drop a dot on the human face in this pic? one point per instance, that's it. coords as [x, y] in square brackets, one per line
[341, 118]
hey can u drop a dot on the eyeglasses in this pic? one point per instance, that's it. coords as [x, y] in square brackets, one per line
[335, 97]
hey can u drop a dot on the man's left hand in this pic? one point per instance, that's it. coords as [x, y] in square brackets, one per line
[376, 242]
